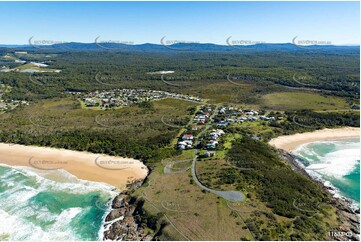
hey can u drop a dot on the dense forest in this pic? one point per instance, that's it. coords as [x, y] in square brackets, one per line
[278, 186]
[330, 73]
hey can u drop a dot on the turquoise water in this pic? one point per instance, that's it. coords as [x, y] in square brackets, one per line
[50, 205]
[337, 162]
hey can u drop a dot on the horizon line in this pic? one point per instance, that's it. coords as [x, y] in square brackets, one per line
[184, 43]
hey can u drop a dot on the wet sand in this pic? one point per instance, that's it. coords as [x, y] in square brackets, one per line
[291, 142]
[112, 170]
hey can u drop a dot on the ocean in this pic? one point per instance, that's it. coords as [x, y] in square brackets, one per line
[336, 163]
[51, 205]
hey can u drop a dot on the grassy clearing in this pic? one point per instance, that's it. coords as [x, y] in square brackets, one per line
[34, 67]
[300, 100]
[200, 215]
[196, 214]
[219, 91]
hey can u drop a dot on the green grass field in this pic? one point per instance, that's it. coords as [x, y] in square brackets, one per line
[301, 100]
[34, 67]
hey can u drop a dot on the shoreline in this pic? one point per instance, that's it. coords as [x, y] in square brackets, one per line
[292, 142]
[287, 144]
[112, 170]
[348, 215]
[121, 174]
[345, 208]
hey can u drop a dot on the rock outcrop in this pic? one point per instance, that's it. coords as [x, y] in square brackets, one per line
[120, 223]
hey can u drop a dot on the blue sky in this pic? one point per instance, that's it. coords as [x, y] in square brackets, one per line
[204, 22]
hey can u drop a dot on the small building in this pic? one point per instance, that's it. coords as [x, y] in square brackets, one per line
[181, 147]
[197, 127]
[210, 146]
[222, 124]
[187, 137]
[209, 154]
[264, 118]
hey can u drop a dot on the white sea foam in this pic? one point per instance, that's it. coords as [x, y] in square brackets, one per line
[340, 163]
[17, 213]
[337, 164]
[340, 159]
[17, 227]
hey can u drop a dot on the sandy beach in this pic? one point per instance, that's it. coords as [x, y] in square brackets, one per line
[291, 142]
[112, 170]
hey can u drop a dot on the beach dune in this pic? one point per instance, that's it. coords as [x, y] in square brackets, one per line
[116, 171]
[291, 142]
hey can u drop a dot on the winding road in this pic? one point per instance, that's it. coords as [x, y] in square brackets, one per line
[234, 196]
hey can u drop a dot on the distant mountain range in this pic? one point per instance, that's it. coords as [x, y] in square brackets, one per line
[183, 47]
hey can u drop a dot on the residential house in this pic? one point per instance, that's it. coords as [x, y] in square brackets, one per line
[187, 137]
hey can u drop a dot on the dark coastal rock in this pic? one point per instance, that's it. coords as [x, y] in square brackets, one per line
[115, 232]
[129, 211]
[118, 201]
[125, 229]
[355, 237]
[116, 213]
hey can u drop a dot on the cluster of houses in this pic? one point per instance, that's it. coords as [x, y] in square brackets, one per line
[203, 115]
[214, 136]
[186, 142]
[10, 105]
[126, 97]
[228, 115]
[200, 119]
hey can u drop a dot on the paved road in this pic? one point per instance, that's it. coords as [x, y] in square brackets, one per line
[169, 169]
[235, 196]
